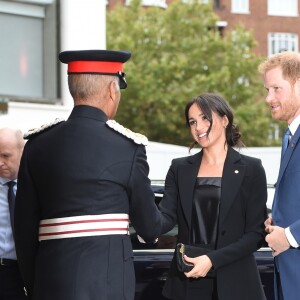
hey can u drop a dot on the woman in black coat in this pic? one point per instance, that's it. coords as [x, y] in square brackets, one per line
[218, 198]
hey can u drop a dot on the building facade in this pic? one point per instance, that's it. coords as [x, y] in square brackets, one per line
[33, 83]
[275, 23]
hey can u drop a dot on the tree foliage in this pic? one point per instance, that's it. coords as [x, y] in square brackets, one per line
[178, 53]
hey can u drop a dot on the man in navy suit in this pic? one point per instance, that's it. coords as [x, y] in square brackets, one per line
[81, 182]
[281, 74]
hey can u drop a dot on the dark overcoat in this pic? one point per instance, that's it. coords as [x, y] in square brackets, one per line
[240, 229]
[82, 167]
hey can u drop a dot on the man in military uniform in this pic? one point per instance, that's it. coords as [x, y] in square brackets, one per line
[80, 183]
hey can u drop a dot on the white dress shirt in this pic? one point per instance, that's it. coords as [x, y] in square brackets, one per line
[7, 244]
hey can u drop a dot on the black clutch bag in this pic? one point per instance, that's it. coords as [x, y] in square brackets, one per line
[191, 251]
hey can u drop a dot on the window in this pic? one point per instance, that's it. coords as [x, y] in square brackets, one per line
[159, 3]
[279, 42]
[240, 6]
[28, 52]
[287, 8]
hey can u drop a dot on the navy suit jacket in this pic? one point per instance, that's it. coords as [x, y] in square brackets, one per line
[286, 213]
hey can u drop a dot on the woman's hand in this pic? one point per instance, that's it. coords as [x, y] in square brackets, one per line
[202, 264]
[268, 225]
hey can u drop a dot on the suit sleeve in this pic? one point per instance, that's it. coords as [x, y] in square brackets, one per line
[168, 204]
[144, 214]
[26, 222]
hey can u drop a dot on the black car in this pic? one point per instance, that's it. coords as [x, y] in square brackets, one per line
[152, 261]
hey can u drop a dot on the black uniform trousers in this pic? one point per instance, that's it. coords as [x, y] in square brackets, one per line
[11, 284]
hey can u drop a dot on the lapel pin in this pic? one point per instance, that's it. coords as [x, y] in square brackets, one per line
[236, 171]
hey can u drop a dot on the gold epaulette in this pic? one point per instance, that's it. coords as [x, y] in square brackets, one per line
[136, 137]
[35, 131]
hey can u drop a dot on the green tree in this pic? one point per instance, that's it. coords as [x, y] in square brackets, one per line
[178, 53]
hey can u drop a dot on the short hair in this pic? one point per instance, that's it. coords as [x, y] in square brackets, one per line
[85, 86]
[20, 140]
[289, 62]
[209, 103]
[13, 135]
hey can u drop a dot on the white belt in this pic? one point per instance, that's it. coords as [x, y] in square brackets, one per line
[80, 226]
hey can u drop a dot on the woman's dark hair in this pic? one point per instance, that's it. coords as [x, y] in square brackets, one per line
[209, 103]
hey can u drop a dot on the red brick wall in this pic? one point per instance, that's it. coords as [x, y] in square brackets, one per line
[259, 21]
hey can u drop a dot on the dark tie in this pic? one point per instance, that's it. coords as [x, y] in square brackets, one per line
[11, 201]
[285, 141]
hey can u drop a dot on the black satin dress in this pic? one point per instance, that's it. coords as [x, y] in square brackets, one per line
[204, 230]
[205, 213]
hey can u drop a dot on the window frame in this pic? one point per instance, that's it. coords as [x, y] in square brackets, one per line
[288, 8]
[46, 10]
[240, 7]
[276, 39]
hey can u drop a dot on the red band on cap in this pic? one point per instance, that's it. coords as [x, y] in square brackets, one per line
[95, 67]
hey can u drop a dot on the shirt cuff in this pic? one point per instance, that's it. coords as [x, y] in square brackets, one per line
[142, 241]
[290, 238]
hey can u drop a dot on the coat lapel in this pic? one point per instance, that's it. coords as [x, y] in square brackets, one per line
[233, 175]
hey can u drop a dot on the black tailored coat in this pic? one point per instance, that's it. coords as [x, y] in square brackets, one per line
[82, 167]
[240, 229]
